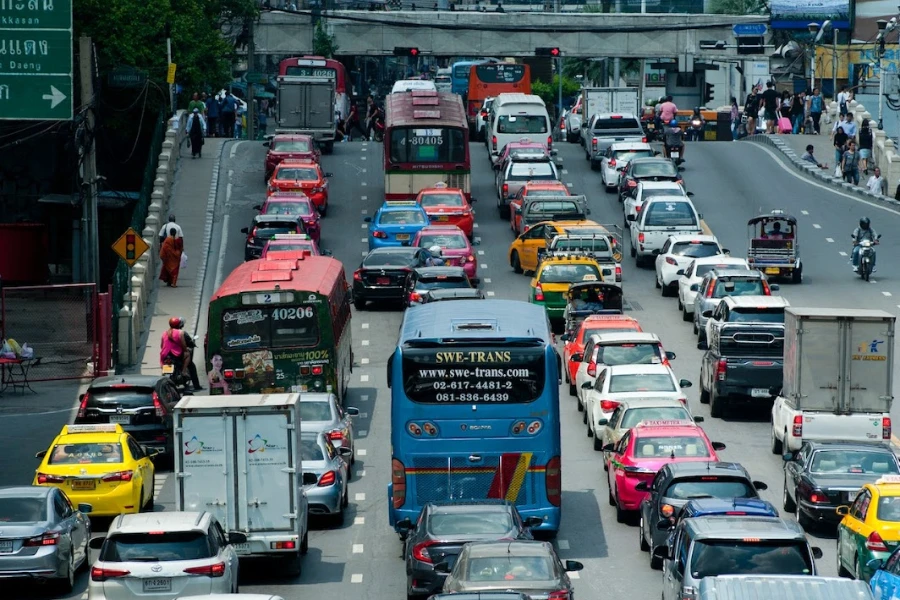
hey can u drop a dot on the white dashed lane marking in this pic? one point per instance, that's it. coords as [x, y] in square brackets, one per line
[364, 397]
[481, 253]
[357, 548]
[804, 212]
[563, 544]
[365, 325]
[365, 342]
[829, 240]
[363, 378]
[361, 452]
[364, 197]
[490, 294]
[886, 294]
[359, 521]
[487, 280]
[360, 497]
[817, 226]
[842, 253]
[357, 578]
[364, 361]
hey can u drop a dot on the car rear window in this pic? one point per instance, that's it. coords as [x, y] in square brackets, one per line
[742, 557]
[402, 217]
[85, 454]
[569, 273]
[695, 249]
[622, 123]
[630, 354]
[545, 193]
[159, 546]
[670, 214]
[742, 287]
[291, 146]
[311, 450]
[853, 461]
[553, 207]
[521, 124]
[756, 315]
[459, 523]
[264, 232]
[23, 510]
[512, 567]
[288, 208]
[627, 155]
[532, 170]
[442, 200]
[389, 259]
[135, 397]
[292, 174]
[711, 486]
[680, 446]
[633, 416]
[290, 246]
[442, 282]
[655, 169]
[889, 509]
[451, 241]
[641, 383]
[315, 411]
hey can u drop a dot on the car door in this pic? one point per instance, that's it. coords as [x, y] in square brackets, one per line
[853, 529]
[581, 376]
[68, 525]
[793, 470]
[144, 467]
[592, 406]
[660, 258]
[532, 241]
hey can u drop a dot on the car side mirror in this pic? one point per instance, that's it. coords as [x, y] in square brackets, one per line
[442, 567]
[657, 153]
[700, 216]
[533, 522]
[237, 537]
[842, 510]
[565, 337]
[690, 195]
[631, 218]
[817, 553]
[718, 446]
[245, 230]
[726, 251]
[878, 237]
[344, 451]
[310, 479]
[873, 564]
[643, 486]
[663, 552]
[267, 145]
[695, 287]
[352, 411]
[702, 345]
[257, 207]
[609, 447]
[707, 313]
[787, 456]
[603, 422]
[326, 253]
[670, 355]
[679, 272]
[587, 385]
[573, 565]
[577, 357]
[41, 454]
[329, 174]
[85, 508]
[473, 199]
[685, 383]
[698, 419]
[681, 169]
[367, 219]
[759, 485]
[496, 166]
[774, 287]
[96, 543]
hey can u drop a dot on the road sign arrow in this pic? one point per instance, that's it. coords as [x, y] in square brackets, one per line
[55, 97]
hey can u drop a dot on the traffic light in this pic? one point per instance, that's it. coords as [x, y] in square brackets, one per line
[553, 52]
[130, 247]
[707, 93]
[399, 51]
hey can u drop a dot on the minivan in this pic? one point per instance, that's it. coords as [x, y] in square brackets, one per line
[515, 117]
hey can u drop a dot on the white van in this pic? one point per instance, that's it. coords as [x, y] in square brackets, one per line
[413, 85]
[514, 117]
[442, 80]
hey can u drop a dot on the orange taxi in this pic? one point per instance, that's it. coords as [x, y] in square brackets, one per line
[447, 206]
[574, 340]
[304, 176]
[532, 189]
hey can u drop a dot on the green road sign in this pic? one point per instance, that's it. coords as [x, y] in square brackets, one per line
[36, 65]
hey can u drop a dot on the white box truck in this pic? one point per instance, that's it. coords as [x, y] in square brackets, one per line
[838, 377]
[239, 458]
[596, 100]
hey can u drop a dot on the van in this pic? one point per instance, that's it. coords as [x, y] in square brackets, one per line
[659, 218]
[517, 117]
[413, 85]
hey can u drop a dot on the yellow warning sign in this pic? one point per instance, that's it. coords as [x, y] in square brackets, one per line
[170, 76]
[130, 247]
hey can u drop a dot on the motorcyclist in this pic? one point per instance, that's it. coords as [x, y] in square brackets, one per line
[695, 130]
[863, 232]
[435, 260]
[173, 347]
[192, 368]
[674, 139]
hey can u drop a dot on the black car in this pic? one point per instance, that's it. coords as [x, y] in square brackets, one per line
[647, 169]
[427, 279]
[265, 227]
[141, 404]
[444, 528]
[441, 295]
[384, 274]
[676, 484]
[821, 476]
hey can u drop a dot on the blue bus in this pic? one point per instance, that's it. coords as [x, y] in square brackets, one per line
[459, 74]
[475, 409]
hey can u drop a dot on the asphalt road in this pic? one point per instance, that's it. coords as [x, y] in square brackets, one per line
[731, 182]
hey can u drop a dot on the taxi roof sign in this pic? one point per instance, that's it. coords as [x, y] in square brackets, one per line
[99, 428]
[290, 236]
[440, 185]
[888, 479]
[665, 423]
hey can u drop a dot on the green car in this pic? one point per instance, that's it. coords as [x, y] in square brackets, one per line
[870, 528]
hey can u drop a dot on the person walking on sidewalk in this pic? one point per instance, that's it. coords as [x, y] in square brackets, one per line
[865, 145]
[816, 105]
[850, 164]
[770, 107]
[239, 122]
[170, 254]
[877, 184]
[843, 100]
[164, 230]
[212, 115]
[228, 113]
[798, 111]
[196, 128]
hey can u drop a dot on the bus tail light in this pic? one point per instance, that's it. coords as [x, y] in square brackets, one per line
[357, 275]
[609, 405]
[721, 369]
[538, 293]
[83, 407]
[420, 551]
[398, 483]
[618, 273]
[317, 369]
[592, 369]
[379, 234]
[875, 543]
[886, 428]
[797, 429]
[553, 481]
[494, 142]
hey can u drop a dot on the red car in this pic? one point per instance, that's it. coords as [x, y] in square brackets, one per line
[281, 147]
[291, 242]
[293, 203]
[643, 450]
[574, 342]
[448, 206]
[301, 176]
[532, 189]
[456, 249]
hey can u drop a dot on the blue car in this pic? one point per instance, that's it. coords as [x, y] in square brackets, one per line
[885, 583]
[395, 224]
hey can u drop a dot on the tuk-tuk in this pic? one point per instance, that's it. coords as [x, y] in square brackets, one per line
[774, 245]
[591, 298]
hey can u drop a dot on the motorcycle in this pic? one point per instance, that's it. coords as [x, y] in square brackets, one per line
[867, 257]
[695, 130]
[675, 154]
[174, 368]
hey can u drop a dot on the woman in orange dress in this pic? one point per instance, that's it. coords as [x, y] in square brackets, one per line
[170, 254]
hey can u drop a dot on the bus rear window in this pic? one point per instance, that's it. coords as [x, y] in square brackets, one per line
[450, 374]
[433, 145]
[521, 124]
[270, 327]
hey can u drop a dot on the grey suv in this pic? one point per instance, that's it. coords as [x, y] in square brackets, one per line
[719, 283]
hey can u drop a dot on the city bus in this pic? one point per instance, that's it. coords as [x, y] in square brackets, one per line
[492, 79]
[459, 74]
[475, 409]
[279, 325]
[426, 141]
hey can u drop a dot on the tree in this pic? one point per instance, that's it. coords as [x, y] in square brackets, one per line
[738, 7]
[323, 43]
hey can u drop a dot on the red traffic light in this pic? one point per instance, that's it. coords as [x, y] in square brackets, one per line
[413, 51]
[402, 51]
[553, 52]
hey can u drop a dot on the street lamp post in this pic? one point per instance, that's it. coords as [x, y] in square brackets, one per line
[817, 31]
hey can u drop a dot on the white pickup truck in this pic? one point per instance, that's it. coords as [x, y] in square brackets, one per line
[838, 377]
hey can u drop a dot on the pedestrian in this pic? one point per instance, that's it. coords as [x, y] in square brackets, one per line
[808, 157]
[850, 163]
[877, 184]
[751, 110]
[865, 145]
[262, 121]
[171, 224]
[786, 102]
[170, 254]
[848, 124]
[735, 119]
[196, 128]
[212, 116]
[239, 122]
[815, 109]
[353, 123]
[500, 8]
[197, 103]
[798, 111]
[228, 113]
[770, 106]
[843, 100]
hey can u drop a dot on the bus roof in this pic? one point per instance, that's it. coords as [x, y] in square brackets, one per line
[486, 319]
[425, 108]
[312, 274]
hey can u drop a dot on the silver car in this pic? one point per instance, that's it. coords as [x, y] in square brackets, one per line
[523, 566]
[324, 413]
[719, 283]
[42, 536]
[330, 496]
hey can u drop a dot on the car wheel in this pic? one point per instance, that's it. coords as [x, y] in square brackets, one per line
[633, 249]
[680, 305]
[642, 543]
[67, 583]
[594, 164]
[515, 263]
[610, 497]
[359, 303]
[656, 282]
[323, 212]
[346, 500]
[572, 390]
[621, 514]
[578, 402]
[694, 326]
[152, 501]
[667, 291]
[598, 442]
[338, 518]
[804, 521]
[590, 430]
[685, 315]
[704, 395]
[603, 176]
[294, 564]
[716, 405]
[786, 501]
[777, 445]
[584, 415]
[857, 570]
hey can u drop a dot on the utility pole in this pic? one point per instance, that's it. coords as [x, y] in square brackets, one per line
[89, 227]
[251, 67]
[171, 85]
[617, 62]
[834, 90]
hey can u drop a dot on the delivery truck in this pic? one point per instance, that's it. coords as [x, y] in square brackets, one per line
[238, 457]
[838, 377]
[619, 100]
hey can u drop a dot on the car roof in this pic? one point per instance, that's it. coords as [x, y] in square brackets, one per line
[438, 271]
[389, 206]
[297, 162]
[566, 259]
[439, 190]
[393, 250]
[610, 115]
[681, 470]
[687, 237]
[160, 521]
[632, 403]
[485, 595]
[660, 185]
[544, 184]
[455, 294]
[288, 197]
[25, 491]
[515, 548]
[650, 159]
[744, 526]
[841, 445]
[126, 380]
[444, 229]
[757, 301]
[747, 273]
[656, 429]
[625, 337]
[720, 505]
[638, 369]
[287, 137]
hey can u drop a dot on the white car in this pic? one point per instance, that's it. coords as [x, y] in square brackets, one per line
[677, 253]
[627, 382]
[659, 218]
[649, 189]
[616, 157]
[481, 118]
[690, 278]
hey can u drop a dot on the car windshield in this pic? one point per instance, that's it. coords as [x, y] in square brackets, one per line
[521, 124]
[630, 354]
[442, 282]
[402, 217]
[291, 146]
[449, 242]
[469, 523]
[532, 170]
[710, 487]
[633, 416]
[710, 558]
[569, 273]
[85, 454]
[442, 200]
[288, 208]
[510, 568]
[670, 214]
[627, 155]
[135, 397]
[389, 259]
[311, 450]
[156, 546]
[655, 169]
[679, 446]
[741, 287]
[695, 249]
[853, 461]
[643, 382]
[297, 174]
[315, 411]
[23, 510]
[756, 315]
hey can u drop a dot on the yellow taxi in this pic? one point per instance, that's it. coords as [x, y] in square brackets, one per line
[523, 252]
[553, 277]
[870, 527]
[100, 465]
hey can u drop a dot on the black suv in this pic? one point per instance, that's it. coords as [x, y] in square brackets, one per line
[676, 484]
[428, 279]
[141, 404]
[384, 274]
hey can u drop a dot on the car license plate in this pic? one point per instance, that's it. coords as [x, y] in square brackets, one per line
[120, 419]
[676, 154]
[168, 369]
[6, 547]
[241, 548]
[773, 271]
[158, 584]
[403, 237]
[297, 190]
[383, 281]
[84, 484]
[760, 393]
[443, 218]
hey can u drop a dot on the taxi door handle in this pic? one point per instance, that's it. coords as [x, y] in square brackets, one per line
[474, 458]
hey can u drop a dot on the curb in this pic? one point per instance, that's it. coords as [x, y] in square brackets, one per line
[825, 176]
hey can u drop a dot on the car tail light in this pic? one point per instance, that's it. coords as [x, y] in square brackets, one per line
[379, 234]
[559, 595]
[158, 406]
[48, 539]
[505, 189]
[494, 142]
[638, 207]
[644, 139]
[539, 293]
[118, 476]
[683, 401]
[83, 407]
[612, 163]
[594, 144]
[608, 405]
[767, 291]
[415, 297]
[592, 369]
[45, 478]
[631, 183]
[483, 114]
[721, 369]
[216, 570]
[549, 142]
[228, 373]
[335, 435]
[679, 181]
[671, 261]
[398, 483]
[875, 543]
[885, 428]
[818, 497]
[618, 273]
[420, 551]
[327, 478]
[553, 481]
[317, 369]
[101, 574]
[641, 238]
[471, 258]
[317, 190]
[357, 275]
[710, 287]
[797, 429]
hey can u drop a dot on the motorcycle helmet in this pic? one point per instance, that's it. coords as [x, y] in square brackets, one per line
[864, 222]
[176, 323]
[673, 123]
[435, 250]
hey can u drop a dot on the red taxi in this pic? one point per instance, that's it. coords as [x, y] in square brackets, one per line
[293, 203]
[643, 450]
[301, 176]
[456, 249]
[532, 189]
[574, 341]
[292, 242]
[281, 147]
[447, 206]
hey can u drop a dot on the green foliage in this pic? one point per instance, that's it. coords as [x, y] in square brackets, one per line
[323, 44]
[737, 7]
[549, 92]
